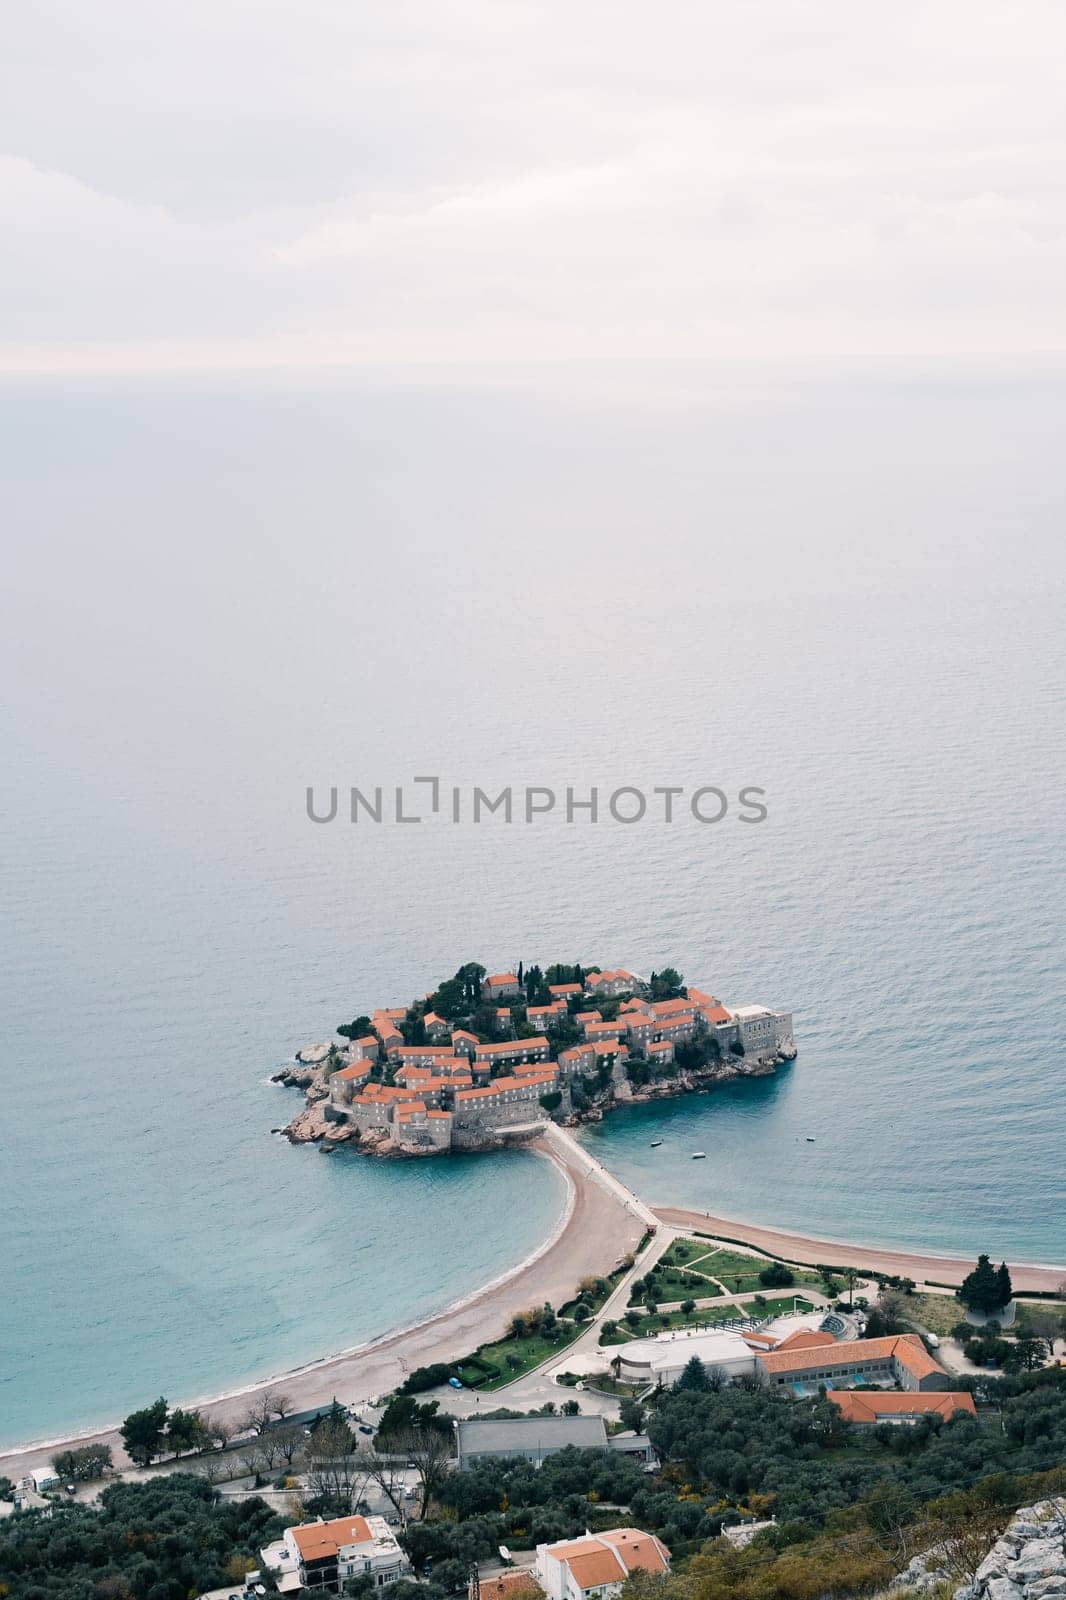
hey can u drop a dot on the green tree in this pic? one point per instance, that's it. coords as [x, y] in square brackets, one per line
[358, 1028]
[142, 1432]
[986, 1289]
[694, 1376]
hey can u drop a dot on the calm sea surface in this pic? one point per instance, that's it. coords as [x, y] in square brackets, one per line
[850, 595]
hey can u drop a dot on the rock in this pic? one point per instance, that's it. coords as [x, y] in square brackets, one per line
[313, 1055]
[308, 1126]
[1041, 1558]
[1046, 1586]
[1002, 1589]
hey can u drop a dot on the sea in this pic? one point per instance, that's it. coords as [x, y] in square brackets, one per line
[842, 589]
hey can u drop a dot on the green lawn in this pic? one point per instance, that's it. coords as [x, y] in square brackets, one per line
[705, 1317]
[738, 1270]
[672, 1283]
[526, 1353]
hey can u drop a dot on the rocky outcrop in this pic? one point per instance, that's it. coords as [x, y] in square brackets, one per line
[309, 1125]
[1029, 1562]
[313, 1055]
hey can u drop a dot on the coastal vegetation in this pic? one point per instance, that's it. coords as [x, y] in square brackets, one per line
[166, 1539]
[987, 1289]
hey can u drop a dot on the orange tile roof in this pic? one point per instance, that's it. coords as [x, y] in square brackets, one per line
[599, 1029]
[716, 1014]
[609, 1047]
[314, 1539]
[358, 1069]
[660, 1044]
[497, 978]
[906, 1348]
[588, 1016]
[513, 1046]
[461, 1033]
[510, 1586]
[638, 1549]
[446, 1114]
[673, 1008]
[805, 1339]
[564, 988]
[596, 1567]
[868, 1407]
[700, 997]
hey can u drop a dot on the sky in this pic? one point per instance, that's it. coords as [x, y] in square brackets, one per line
[232, 185]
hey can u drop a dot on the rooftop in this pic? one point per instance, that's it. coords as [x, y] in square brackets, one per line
[516, 1436]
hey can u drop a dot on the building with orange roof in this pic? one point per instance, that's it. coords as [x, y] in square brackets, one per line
[322, 1556]
[599, 1564]
[565, 991]
[436, 1027]
[806, 1339]
[513, 1583]
[464, 1043]
[613, 982]
[546, 1016]
[901, 1358]
[500, 986]
[512, 1050]
[661, 1050]
[604, 1030]
[583, 1018]
[364, 1049]
[865, 1407]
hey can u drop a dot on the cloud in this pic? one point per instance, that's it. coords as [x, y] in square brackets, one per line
[237, 185]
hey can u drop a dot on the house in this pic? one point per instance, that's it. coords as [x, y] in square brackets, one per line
[324, 1555]
[422, 1055]
[595, 1031]
[512, 1050]
[364, 1049]
[435, 1026]
[901, 1359]
[865, 1409]
[463, 1043]
[513, 1583]
[547, 1016]
[579, 1058]
[346, 1081]
[615, 982]
[500, 986]
[386, 1030]
[762, 1031]
[640, 1030]
[504, 1020]
[583, 1018]
[565, 991]
[598, 1564]
[661, 1051]
[532, 1438]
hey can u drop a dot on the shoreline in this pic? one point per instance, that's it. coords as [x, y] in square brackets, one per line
[600, 1222]
[806, 1250]
[595, 1227]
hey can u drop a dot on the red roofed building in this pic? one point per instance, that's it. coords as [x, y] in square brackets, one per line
[866, 1408]
[500, 986]
[598, 1564]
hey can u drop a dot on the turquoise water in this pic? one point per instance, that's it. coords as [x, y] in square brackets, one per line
[850, 595]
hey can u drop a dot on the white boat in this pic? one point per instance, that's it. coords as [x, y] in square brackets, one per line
[656, 1143]
[699, 1155]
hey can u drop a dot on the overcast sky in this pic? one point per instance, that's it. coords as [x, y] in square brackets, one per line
[234, 183]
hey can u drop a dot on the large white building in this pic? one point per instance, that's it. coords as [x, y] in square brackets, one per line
[664, 1358]
[323, 1555]
[598, 1564]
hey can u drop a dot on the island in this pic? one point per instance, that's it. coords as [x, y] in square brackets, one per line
[486, 1060]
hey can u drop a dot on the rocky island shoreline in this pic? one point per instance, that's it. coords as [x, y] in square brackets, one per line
[484, 1062]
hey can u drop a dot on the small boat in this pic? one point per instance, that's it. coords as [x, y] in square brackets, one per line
[699, 1155]
[810, 1139]
[656, 1143]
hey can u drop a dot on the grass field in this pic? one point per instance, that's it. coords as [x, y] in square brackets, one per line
[672, 1283]
[736, 1269]
[706, 1317]
[513, 1357]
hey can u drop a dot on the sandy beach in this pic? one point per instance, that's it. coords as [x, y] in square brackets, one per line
[923, 1268]
[596, 1231]
[601, 1222]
